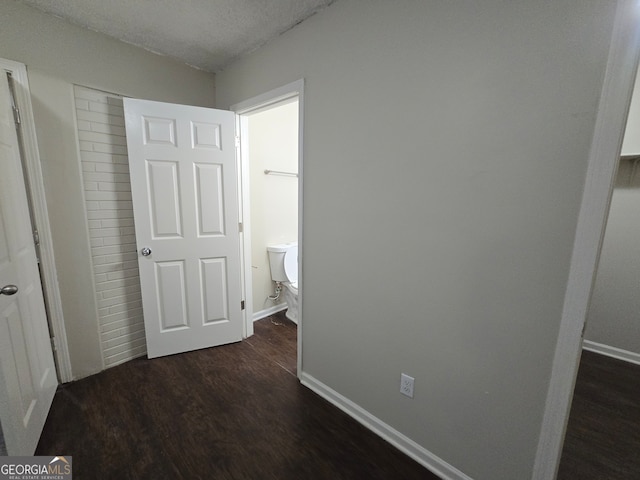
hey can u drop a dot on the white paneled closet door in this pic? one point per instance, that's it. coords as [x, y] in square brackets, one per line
[184, 186]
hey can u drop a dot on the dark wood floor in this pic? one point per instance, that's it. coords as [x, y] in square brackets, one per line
[233, 412]
[603, 434]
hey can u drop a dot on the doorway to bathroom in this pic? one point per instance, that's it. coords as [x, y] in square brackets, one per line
[273, 179]
[270, 127]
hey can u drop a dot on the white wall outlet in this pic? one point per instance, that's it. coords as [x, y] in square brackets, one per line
[406, 385]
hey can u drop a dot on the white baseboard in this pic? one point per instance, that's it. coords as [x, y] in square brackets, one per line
[269, 311]
[421, 455]
[614, 352]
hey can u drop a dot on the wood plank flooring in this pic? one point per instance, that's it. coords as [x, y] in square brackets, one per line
[603, 434]
[238, 412]
[233, 412]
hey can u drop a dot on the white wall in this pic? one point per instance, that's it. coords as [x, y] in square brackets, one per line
[107, 194]
[446, 147]
[273, 145]
[614, 313]
[631, 143]
[57, 56]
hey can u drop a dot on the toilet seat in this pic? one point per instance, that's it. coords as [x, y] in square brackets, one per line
[291, 264]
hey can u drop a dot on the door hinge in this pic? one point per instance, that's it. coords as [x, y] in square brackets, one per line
[53, 344]
[16, 115]
[36, 237]
[240, 228]
[242, 305]
[237, 141]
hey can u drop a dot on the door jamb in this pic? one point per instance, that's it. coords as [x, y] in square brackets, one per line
[622, 65]
[241, 109]
[35, 178]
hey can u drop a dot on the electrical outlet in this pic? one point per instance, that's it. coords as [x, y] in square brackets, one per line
[406, 385]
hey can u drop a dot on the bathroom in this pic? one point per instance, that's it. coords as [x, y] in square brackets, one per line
[273, 180]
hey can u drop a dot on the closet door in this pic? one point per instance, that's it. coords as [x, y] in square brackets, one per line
[182, 162]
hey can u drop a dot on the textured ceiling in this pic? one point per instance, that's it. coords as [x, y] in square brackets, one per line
[207, 34]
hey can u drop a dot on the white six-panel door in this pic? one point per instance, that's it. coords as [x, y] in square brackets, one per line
[184, 188]
[27, 371]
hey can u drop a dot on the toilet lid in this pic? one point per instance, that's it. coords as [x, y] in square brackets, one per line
[291, 264]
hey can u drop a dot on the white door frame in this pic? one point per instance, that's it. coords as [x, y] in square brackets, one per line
[603, 162]
[242, 109]
[36, 191]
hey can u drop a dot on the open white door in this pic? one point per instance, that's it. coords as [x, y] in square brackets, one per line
[27, 372]
[185, 203]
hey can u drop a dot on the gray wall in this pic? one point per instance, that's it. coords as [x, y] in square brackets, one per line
[614, 313]
[613, 319]
[57, 56]
[445, 152]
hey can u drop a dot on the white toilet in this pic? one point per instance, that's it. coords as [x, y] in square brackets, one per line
[283, 260]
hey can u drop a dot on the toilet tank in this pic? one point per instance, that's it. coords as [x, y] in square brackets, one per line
[283, 261]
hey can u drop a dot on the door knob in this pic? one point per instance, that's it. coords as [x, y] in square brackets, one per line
[9, 290]
[146, 251]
